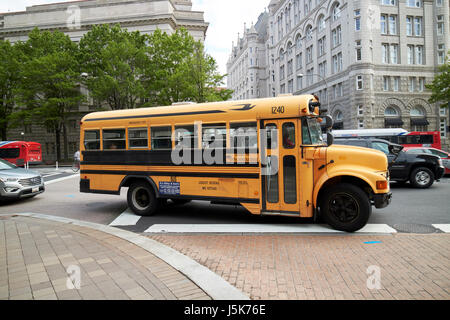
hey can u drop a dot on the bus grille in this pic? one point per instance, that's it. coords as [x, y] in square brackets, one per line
[35, 181]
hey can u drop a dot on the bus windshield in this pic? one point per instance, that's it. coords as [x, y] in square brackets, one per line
[312, 132]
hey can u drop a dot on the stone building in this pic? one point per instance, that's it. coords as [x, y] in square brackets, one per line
[368, 61]
[76, 18]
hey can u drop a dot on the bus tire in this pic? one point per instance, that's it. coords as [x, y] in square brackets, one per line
[141, 199]
[180, 201]
[421, 178]
[345, 207]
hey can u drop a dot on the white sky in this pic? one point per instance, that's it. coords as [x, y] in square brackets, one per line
[226, 18]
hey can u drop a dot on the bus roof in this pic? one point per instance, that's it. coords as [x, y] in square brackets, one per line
[370, 132]
[294, 106]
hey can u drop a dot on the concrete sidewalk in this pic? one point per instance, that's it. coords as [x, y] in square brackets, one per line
[44, 257]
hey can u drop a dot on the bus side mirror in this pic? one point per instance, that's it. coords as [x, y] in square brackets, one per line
[330, 138]
[328, 122]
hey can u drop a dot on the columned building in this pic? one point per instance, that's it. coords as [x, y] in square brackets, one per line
[76, 18]
[368, 61]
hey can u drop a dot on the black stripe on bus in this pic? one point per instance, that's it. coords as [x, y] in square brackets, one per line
[214, 199]
[159, 115]
[150, 158]
[175, 174]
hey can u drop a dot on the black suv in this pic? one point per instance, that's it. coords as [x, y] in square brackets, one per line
[421, 170]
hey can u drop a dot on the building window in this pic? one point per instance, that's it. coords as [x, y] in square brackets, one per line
[298, 42]
[412, 84]
[418, 26]
[385, 53]
[421, 85]
[443, 127]
[309, 51]
[291, 86]
[441, 54]
[388, 2]
[414, 3]
[386, 82]
[392, 24]
[360, 123]
[321, 46]
[383, 25]
[336, 35]
[336, 12]
[299, 82]
[359, 82]
[308, 33]
[323, 68]
[357, 20]
[419, 55]
[440, 25]
[360, 111]
[409, 26]
[396, 84]
[358, 54]
[439, 3]
[322, 23]
[299, 61]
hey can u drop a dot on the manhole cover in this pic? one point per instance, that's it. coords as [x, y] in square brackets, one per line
[415, 228]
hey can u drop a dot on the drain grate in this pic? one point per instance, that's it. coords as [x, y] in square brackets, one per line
[415, 228]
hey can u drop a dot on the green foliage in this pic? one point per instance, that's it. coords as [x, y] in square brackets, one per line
[440, 86]
[9, 79]
[48, 91]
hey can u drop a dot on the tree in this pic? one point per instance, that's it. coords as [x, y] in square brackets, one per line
[9, 78]
[49, 87]
[440, 87]
[114, 60]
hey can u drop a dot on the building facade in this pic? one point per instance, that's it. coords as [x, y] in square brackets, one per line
[368, 61]
[76, 18]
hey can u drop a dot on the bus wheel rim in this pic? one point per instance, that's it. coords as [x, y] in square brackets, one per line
[423, 178]
[344, 207]
[141, 198]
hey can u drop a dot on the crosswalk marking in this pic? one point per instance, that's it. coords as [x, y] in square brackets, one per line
[127, 218]
[259, 228]
[443, 227]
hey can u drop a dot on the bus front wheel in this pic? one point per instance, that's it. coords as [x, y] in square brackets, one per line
[142, 199]
[345, 207]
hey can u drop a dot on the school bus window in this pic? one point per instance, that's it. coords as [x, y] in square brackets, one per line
[243, 137]
[137, 138]
[114, 139]
[289, 176]
[288, 135]
[185, 136]
[311, 131]
[92, 140]
[271, 131]
[272, 182]
[161, 138]
[214, 136]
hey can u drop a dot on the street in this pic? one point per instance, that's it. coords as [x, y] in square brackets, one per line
[411, 210]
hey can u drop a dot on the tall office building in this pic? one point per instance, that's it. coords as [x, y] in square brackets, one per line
[368, 61]
[75, 18]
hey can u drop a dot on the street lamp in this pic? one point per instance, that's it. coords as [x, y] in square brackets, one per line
[326, 86]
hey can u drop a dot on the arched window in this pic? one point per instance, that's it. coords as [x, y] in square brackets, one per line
[336, 12]
[281, 56]
[321, 23]
[289, 48]
[338, 123]
[417, 111]
[298, 42]
[338, 116]
[309, 32]
[391, 112]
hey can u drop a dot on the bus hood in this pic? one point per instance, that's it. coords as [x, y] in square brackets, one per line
[357, 156]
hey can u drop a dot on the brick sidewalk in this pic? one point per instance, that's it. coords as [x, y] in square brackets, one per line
[324, 267]
[35, 256]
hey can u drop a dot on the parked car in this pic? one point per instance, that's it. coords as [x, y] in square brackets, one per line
[421, 170]
[17, 182]
[445, 156]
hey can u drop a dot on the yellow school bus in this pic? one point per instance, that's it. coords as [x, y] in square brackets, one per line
[268, 155]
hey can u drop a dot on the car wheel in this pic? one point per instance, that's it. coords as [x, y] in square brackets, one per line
[422, 178]
[141, 199]
[345, 207]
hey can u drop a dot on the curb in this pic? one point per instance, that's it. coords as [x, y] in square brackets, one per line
[214, 285]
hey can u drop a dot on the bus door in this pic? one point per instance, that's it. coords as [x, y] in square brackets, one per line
[280, 169]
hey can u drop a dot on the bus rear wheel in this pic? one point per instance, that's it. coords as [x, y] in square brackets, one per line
[141, 199]
[345, 207]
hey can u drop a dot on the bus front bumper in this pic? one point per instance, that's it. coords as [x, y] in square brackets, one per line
[382, 200]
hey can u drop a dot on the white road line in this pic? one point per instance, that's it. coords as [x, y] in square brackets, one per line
[61, 179]
[127, 218]
[442, 227]
[259, 228]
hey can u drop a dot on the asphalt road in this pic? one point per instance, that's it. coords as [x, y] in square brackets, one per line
[62, 198]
